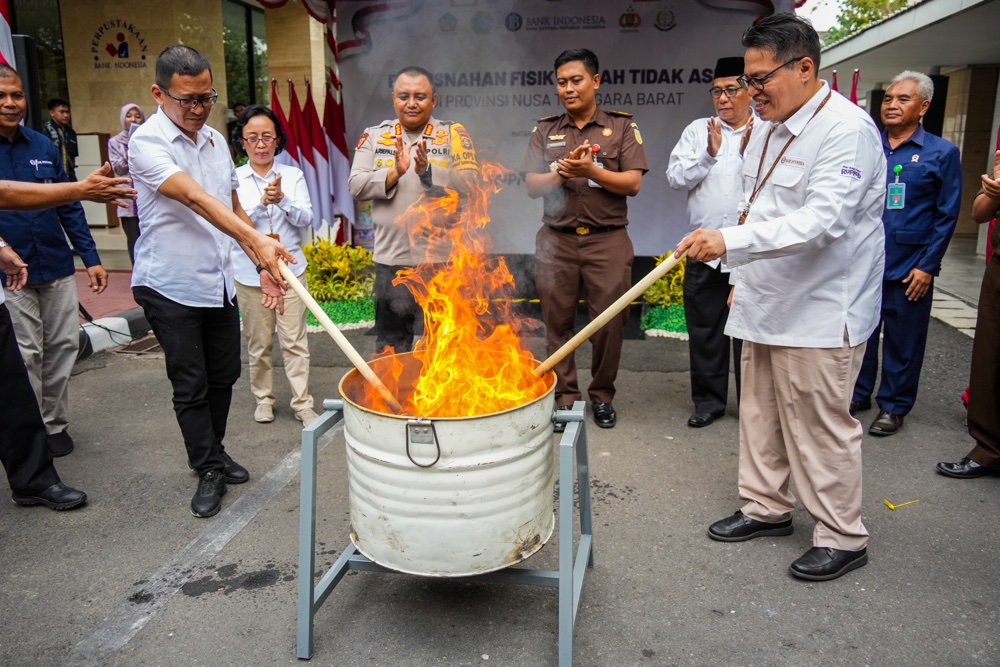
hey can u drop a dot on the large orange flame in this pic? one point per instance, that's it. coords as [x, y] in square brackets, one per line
[472, 362]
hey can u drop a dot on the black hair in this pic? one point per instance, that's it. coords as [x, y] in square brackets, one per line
[413, 70]
[258, 110]
[179, 59]
[586, 56]
[8, 72]
[238, 104]
[56, 102]
[786, 36]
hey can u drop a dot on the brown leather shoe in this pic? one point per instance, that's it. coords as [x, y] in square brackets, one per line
[886, 424]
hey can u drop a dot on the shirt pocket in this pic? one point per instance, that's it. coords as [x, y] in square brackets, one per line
[218, 179]
[609, 158]
[44, 172]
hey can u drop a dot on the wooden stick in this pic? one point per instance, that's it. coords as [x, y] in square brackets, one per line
[614, 309]
[339, 338]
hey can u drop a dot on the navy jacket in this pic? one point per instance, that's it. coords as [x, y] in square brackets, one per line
[39, 237]
[917, 235]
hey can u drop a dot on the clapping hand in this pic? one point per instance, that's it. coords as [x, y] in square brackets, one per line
[272, 192]
[714, 136]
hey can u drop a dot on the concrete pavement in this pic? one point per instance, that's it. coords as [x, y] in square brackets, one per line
[131, 579]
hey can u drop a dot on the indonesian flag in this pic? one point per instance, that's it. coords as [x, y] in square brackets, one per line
[307, 163]
[290, 155]
[6, 41]
[340, 166]
[317, 141]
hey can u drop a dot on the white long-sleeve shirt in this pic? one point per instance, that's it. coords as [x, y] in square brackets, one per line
[287, 218]
[812, 251]
[714, 184]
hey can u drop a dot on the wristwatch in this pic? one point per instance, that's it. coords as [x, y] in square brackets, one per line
[3, 244]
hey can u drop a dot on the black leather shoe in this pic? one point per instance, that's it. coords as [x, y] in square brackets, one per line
[886, 424]
[825, 563]
[234, 472]
[699, 419]
[964, 469]
[740, 528]
[559, 427]
[860, 406]
[208, 498]
[604, 415]
[60, 444]
[56, 497]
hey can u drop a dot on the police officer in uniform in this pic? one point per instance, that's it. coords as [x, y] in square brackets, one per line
[395, 163]
[584, 163]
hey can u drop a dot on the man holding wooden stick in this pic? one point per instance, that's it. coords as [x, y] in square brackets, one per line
[811, 254]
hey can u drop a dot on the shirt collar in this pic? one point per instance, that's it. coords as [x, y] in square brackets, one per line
[917, 137]
[173, 132]
[798, 120]
[600, 118]
[271, 174]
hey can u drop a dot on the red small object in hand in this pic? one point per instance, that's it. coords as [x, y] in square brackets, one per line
[595, 148]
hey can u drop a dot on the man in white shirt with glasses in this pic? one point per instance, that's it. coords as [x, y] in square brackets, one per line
[183, 276]
[810, 258]
[707, 162]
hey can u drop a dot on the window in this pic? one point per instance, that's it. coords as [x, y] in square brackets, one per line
[39, 19]
[246, 53]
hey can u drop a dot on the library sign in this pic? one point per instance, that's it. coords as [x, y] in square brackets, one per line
[118, 44]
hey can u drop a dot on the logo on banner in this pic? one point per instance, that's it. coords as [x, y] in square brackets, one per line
[630, 21]
[665, 20]
[482, 23]
[447, 23]
[513, 22]
[118, 44]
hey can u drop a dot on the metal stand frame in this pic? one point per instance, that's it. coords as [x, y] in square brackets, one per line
[568, 579]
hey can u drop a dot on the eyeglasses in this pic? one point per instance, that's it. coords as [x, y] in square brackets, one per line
[253, 139]
[758, 81]
[189, 103]
[730, 91]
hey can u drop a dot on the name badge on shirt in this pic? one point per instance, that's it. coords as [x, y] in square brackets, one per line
[555, 144]
[896, 196]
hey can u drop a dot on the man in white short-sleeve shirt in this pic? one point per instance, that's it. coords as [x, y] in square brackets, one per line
[183, 276]
[807, 297]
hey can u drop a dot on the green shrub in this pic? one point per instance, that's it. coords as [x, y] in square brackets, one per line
[338, 272]
[345, 312]
[664, 318]
[668, 290]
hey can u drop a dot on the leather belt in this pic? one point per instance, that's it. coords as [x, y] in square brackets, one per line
[584, 231]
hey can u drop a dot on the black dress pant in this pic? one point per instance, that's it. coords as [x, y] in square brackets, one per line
[201, 347]
[706, 291]
[24, 449]
[396, 312]
[984, 381]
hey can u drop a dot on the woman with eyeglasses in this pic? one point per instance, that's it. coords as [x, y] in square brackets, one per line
[275, 198]
[131, 117]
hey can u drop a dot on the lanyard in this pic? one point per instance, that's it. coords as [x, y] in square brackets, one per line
[758, 183]
[267, 207]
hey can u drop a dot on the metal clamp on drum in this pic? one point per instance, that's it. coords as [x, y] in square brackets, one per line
[421, 432]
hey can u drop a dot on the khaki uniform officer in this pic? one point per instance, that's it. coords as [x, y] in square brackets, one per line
[395, 162]
[583, 242]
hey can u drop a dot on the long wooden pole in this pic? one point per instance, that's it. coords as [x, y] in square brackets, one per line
[613, 310]
[339, 338]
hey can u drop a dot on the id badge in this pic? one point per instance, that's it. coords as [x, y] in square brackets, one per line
[275, 237]
[896, 196]
[592, 183]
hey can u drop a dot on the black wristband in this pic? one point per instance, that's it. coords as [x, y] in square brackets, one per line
[259, 267]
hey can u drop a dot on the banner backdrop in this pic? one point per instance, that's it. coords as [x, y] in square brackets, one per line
[492, 64]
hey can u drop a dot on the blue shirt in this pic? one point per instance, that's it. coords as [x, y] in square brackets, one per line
[917, 235]
[39, 237]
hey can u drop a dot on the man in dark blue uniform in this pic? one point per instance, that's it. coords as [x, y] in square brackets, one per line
[924, 191]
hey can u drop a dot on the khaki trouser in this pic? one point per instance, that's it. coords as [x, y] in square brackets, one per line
[47, 329]
[259, 324]
[795, 422]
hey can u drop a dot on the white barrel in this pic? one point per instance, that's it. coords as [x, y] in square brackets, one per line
[485, 504]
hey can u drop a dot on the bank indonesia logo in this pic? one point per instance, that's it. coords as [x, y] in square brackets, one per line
[482, 23]
[513, 22]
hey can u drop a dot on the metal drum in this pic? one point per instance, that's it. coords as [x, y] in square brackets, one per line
[447, 497]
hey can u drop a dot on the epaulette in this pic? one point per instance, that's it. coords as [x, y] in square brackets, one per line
[542, 120]
[624, 114]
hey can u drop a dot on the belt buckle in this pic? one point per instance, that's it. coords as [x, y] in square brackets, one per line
[582, 231]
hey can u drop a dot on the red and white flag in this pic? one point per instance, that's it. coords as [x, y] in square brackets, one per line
[321, 161]
[6, 41]
[340, 166]
[307, 162]
[290, 155]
